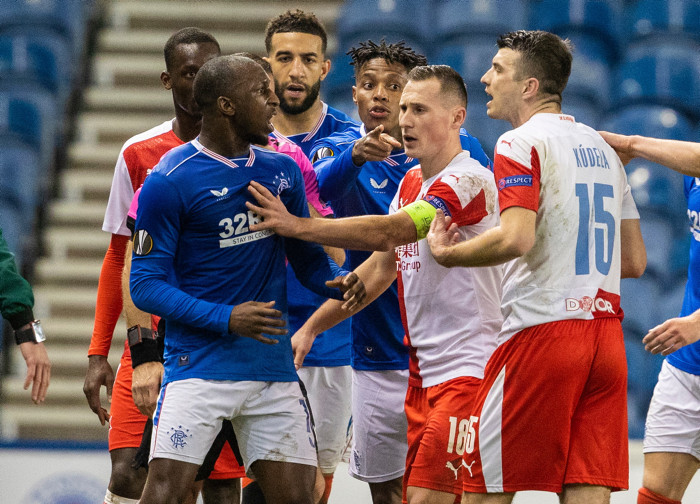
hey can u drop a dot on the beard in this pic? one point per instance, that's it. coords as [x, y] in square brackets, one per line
[311, 96]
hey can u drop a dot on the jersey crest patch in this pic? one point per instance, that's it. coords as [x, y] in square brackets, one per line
[143, 243]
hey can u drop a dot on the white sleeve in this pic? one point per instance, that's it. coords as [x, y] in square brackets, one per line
[629, 208]
[120, 196]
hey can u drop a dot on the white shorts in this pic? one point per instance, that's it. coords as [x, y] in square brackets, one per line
[379, 445]
[329, 394]
[270, 419]
[673, 420]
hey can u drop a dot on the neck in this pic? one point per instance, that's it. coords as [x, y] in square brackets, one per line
[289, 124]
[218, 136]
[433, 165]
[546, 105]
[186, 126]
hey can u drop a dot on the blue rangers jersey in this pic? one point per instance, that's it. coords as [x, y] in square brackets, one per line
[195, 258]
[687, 358]
[332, 347]
[377, 332]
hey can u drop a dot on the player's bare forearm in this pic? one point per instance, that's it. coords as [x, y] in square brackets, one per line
[367, 232]
[678, 155]
[633, 250]
[133, 315]
[513, 238]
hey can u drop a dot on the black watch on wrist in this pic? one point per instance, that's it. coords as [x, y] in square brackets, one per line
[34, 333]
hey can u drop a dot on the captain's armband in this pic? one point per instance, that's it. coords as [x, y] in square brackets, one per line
[422, 213]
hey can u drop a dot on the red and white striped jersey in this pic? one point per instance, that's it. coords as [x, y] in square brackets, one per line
[138, 155]
[451, 315]
[572, 178]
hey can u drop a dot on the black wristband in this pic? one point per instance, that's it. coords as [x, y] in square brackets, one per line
[146, 351]
[34, 333]
[143, 345]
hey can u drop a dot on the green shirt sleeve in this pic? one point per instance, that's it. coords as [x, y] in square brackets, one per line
[16, 296]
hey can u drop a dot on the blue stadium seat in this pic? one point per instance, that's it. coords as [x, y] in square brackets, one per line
[340, 79]
[639, 300]
[479, 124]
[470, 56]
[649, 120]
[11, 222]
[663, 18]
[583, 110]
[658, 189]
[591, 71]
[660, 71]
[457, 18]
[659, 233]
[671, 301]
[31, 112]
[20, 181]
[598, 18]
[408, 20]
[41, 58]
[67, 18]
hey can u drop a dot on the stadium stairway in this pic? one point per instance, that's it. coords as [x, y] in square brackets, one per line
[123, 98]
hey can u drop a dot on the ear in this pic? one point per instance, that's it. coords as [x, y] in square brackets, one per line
[354, 94]
[325, 68]
[266, 58]
[459, 115]
[531, 87]
[226, 106]
[165, 80]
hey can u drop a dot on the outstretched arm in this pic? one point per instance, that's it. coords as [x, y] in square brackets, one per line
[366, 232]
[683, 157]
[377, 273]
[514, 237]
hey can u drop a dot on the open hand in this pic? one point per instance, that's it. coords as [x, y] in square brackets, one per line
[273, 213]
[38, 369]
[673, 334]
[99, 374]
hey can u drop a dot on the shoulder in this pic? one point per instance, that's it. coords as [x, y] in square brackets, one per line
[174, 160]
[341, 139]
[340, 118]
[149, 138]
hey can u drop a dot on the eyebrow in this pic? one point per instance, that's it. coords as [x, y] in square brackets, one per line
[290, 53]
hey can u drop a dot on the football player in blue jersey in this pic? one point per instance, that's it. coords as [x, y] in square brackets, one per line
[222, 290]
[296, 50]
[672, 433]
[358, 174]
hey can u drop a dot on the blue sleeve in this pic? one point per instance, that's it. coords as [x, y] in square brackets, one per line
[158, 226]
[310, 263]
[336, 174]
[476, 151]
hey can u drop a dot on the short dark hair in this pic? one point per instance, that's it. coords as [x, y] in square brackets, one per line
[296, 21]
[189, 35]
[217, 77]
[450, 80]
[393, 53]
[258, 59]
[543, 55]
